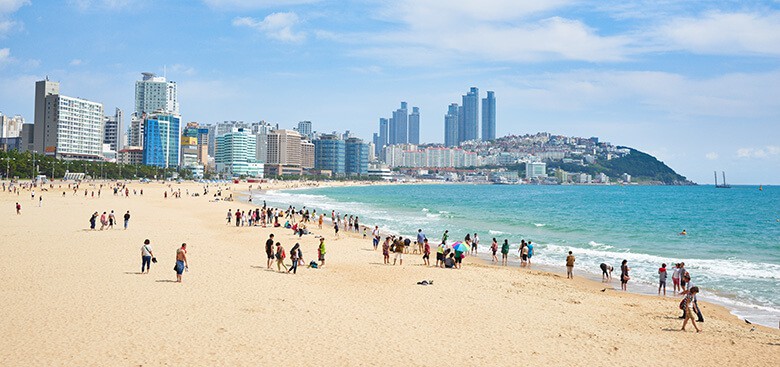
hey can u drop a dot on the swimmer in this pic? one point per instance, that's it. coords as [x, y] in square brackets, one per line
[683, 233]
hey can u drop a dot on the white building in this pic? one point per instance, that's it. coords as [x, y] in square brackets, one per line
[73, 128]
[535, 170]
[10, 127]
[236, 155]
[153, 93]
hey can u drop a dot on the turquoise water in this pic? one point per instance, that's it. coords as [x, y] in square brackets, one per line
[732, 249]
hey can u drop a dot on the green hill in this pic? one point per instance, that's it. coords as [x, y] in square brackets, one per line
[641, 166]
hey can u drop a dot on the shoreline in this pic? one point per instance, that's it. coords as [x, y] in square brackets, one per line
[72, 296]
[740, 311]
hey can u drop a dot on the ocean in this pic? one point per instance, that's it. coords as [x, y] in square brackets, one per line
[732, 249]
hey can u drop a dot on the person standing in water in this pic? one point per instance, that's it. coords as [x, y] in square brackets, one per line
[662, 279]
[504, 252]
[624, 278]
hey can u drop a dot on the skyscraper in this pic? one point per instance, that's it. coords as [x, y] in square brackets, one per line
[329, 154]
[161, 140]
[399, 125]
[414, 126]
[43, 89]
[236, 154]
[112, 127]
[451, 126]
[384, 138]
[304, 128]
[470, 115]
[356, 160]
[153, 93]
[489, 117]
[284, 148]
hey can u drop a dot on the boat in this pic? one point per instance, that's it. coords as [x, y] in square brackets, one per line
[724, 185]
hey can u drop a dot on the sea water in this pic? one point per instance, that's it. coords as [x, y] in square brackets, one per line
[731, 250]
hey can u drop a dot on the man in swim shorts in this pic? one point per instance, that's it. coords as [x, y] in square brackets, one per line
[269, 249]
[181, 262]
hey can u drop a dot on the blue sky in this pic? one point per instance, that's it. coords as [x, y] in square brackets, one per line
[696, 83]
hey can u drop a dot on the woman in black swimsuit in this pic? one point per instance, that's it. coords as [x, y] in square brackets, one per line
[624, 278]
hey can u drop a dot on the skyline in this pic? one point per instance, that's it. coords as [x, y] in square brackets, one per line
[693, 83]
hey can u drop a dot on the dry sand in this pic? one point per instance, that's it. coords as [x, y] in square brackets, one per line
[73, 297]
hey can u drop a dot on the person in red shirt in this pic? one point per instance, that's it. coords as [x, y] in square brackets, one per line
[426, 252]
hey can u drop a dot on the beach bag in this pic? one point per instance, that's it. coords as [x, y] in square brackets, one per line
[682, 304]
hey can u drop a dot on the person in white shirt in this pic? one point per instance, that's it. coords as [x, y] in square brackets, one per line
[146, 257]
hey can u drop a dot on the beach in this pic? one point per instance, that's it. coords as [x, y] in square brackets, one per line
[71, 296]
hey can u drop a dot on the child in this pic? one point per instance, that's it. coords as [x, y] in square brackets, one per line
[686, 305]
[662, 279]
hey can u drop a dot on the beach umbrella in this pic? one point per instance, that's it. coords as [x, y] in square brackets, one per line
[460, 247]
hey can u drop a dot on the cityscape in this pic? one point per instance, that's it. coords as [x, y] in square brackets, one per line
[156, 134]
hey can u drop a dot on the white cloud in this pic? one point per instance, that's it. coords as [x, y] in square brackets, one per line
[764, 152]
[85, 5]
[711, 156]
[722, 33]
[254, 4]
[75, 62]
[5, 56]
[10, 6]
[278, 26]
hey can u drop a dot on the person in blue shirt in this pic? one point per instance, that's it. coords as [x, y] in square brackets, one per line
[420, 240]
[530, 252]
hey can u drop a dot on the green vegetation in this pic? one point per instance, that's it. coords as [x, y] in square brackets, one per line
[641, 166]
[16, 164]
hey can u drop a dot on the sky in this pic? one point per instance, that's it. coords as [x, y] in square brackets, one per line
[695, 83]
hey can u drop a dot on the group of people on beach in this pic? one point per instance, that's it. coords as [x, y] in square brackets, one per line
[107, 221]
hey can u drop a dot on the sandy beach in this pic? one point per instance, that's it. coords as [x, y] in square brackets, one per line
[74, 297]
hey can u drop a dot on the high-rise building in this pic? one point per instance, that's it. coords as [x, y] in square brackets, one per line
[111, 130]
[489, 117]
[304, 128]
[10, 127]
[451, 126]
[414, 126]
[399, 125]
[135, 133]
[161, 140]
[329, 154]
[284, 148]
[470, 129]
[236, 154]
[307, 154]
[384, 138]
[66, 127]
[154, 94]
[356, 160]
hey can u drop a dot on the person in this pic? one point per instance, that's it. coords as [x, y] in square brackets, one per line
[624, 278]
[336, 228]
[440, 255]
[569, 266]
[475, 244]
[606, 272]
[686, 305]
[504, 252]
[127, 218]
[103, 221]
[676, 278]
[445, 236]
[426, 253]
[530, 247]
[93, 220]
[40, 201]
[295, 258]
[683, 233]
[111, 220]
[399, 251]
[374, 235]
[280, 256]
[19, 210]
[685, 282]
[386, 250]
[181, 262]
[695, 305]
[146, 256]
[229, 216]
[321, 252]
[269, 249]
[449, 262]
[524, 256]
[459, 255]
[662, 279]
[420, 240]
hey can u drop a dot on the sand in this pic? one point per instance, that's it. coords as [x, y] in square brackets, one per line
[73, 297]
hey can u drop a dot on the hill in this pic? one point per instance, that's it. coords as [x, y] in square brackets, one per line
[641, 166]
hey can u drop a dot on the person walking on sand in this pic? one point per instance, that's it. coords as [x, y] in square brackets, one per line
[662, 279]
[624, 278]
[420, 240]
[146, 257]
[103, 221]
[181, 262]
[321, 252]
[40, 201]
[127, 219]
[93, 220]
[229, 216]
[398, 248]
[336, 229]
[504, 252]
[440, 255]
[386, 250]
[269, 249]
[280, 256]
[426, 253]
[569, 266]
[375, 237]
[494, 249]
[687, 305]
[294, 257]
[111, 220]
[18, 209]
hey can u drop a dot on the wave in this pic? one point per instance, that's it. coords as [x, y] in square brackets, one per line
[425, 210]
[539, 224]
[493, 232]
